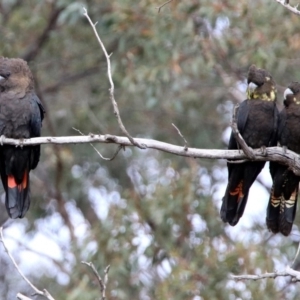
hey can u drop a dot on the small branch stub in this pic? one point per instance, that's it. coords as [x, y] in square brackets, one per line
[185, 141]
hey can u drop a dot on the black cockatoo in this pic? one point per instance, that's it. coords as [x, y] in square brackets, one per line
[282, 205]
[257, 119]
[21, 115]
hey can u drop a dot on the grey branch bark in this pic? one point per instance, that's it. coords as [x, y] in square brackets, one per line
[295, 275]
[289, 158]
[22, 297]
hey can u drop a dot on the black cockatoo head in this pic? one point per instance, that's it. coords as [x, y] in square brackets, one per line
[261, 85]
[15, 76]
[292, 94]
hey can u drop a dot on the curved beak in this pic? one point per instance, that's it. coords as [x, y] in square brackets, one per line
[287, 92]
[251, 88]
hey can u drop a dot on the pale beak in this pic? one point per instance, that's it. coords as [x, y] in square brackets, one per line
[252, 86]
[287, 92]
[1, 78]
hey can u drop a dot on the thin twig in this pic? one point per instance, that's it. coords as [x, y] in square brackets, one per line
[185, 141]
[106, 270]
[239, 139]
[98, 152]
[112, 86]
[160, 7]
[101, 282]
[289, 7]
[261, 276]
[44, 293]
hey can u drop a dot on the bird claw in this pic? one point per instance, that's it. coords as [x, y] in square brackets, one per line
[21, 143]
[284, 148]
[263, 150]
[2, 139]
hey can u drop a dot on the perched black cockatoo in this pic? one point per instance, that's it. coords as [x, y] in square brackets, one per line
[21, 115]
[282, 205]
[257, 119]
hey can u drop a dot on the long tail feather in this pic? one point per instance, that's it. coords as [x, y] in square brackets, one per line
[288, 213]
[17, 196]
[233, 205]
[273, 212]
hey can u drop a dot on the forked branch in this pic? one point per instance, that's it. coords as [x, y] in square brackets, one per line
[112, 86]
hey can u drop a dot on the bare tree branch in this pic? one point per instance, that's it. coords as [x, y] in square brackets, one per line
[112, 86]
[288, 158]
[22, 297]
[102, 283]
[44, 293]
[289, 7]
[288, 272]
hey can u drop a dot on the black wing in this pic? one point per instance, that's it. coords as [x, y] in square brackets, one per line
[281, 127]
[275, 134]
[37, 116]
[242, 116]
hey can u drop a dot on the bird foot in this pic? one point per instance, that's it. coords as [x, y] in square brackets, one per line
[2, 139]
[284, 148]
[21, 143]
[263, 150]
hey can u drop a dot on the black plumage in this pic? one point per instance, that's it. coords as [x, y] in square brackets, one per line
[21, 115]
[257, 119]
[282, 205]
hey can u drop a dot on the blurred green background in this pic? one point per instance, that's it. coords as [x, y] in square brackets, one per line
[154, 217]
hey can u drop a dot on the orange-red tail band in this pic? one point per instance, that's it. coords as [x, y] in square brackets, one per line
[11, 182]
